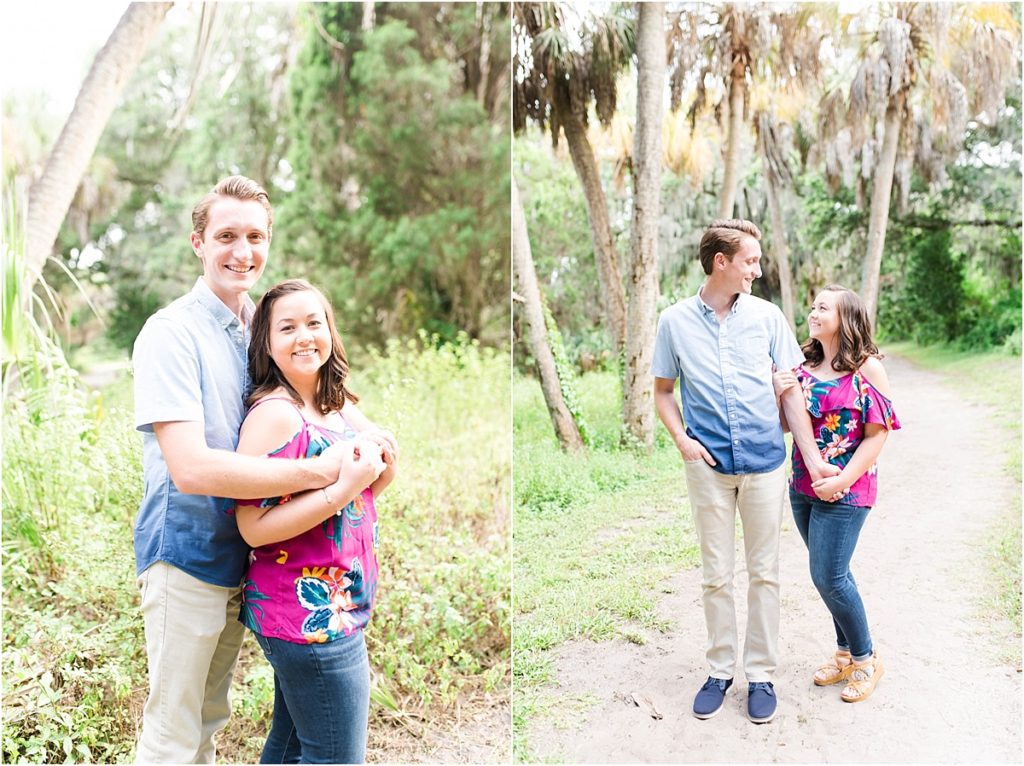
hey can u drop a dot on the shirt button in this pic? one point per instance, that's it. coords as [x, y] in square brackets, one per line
[736, 442]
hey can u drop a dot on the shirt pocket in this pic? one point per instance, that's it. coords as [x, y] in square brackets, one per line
[752, 353]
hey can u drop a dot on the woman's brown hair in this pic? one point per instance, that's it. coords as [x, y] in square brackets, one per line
[331, 393]
[854, 343]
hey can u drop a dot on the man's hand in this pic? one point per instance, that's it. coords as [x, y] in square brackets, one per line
[332, 459]
[820, 469]
[782, 381]
[691, 449]
[830, 489]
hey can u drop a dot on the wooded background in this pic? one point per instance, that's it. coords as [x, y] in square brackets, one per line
[879, 149]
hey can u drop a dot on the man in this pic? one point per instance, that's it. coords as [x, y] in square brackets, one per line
[721, 344]
[191, 373]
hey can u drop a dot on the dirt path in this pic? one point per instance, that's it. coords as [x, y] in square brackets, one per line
[950, 693]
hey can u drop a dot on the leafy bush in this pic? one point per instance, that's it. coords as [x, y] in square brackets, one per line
[926, 306]
[991, 321]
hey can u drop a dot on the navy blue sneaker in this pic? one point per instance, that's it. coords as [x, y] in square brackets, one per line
[761, 702]
[710, 697]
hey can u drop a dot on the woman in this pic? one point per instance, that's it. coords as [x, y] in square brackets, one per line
[847, 394]
[312, 573]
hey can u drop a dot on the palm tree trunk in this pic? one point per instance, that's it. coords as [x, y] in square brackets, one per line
[781, 248]
[613, 296]
[638, 383]
[732, 150]
[881, 195]
[565, 426]
[51, 196]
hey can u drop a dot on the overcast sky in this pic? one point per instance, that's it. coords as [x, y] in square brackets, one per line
[49, 46]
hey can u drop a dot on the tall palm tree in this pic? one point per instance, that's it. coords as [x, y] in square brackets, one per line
[721, 44]
[51, 196]
[638, 383]
[923, 71]
[562, 64]
[786, 78]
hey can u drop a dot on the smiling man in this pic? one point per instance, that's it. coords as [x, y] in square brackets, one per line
[723, 345]
[191, 374]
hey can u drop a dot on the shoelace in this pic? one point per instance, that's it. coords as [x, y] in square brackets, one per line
[720, 683]
[763, 685]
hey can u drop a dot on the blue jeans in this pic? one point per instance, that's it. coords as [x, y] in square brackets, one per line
[321, 701]
[830, 531]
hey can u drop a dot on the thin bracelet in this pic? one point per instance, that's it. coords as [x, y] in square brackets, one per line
[330, 503]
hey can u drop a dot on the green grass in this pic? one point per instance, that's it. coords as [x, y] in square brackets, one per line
[594, 535]
[992, 378]
[74, 663]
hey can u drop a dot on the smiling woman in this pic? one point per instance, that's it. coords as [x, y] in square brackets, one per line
[312, 574]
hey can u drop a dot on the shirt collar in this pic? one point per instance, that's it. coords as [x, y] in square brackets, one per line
[706, 309]
[224, 316]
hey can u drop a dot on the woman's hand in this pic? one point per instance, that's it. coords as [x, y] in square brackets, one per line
[361, 466]
[369, 450]
[386, 440]
[831, 489]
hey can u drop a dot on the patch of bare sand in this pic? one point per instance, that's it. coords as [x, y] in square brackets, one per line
[476, 731]
[947, 695]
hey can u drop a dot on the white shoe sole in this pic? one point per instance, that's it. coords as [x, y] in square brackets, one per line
[713, 713]
[762, 720]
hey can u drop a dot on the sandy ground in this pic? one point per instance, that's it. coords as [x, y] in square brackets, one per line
[479, 733]
[952, 687]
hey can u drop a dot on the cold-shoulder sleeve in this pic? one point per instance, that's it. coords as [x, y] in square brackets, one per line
[875, 406]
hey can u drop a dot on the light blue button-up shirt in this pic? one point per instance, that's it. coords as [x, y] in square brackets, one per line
[190, 363]
[725, 377]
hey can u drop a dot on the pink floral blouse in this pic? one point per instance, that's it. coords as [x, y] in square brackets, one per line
[839, 409]
[319, 585]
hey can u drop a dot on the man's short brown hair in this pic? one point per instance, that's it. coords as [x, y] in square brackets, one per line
[238, 187]
[724, 236]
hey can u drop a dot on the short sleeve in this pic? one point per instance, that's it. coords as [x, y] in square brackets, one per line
[876, 407]
[167, 376]
[785, 351]
[664, 363]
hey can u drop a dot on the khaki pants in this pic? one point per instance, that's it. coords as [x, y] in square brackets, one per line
[714, 498]
[192, 641]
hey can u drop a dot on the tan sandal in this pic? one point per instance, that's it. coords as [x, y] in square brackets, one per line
[836, 671]
[864, 676]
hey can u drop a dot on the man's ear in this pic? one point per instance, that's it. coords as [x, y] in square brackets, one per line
[197, 243]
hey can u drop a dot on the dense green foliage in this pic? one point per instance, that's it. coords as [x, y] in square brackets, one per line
[385, 153]
[402, 191]
[951, 270]
[951, 266]
[73, 652]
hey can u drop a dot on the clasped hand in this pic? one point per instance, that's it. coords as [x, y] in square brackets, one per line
[364, 458]
[827, 482]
